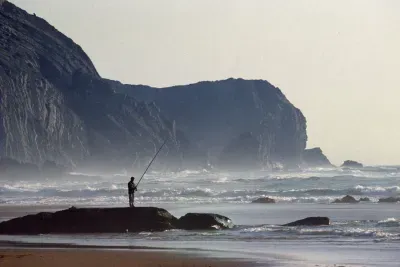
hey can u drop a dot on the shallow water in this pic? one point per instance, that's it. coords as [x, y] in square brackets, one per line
[365, 234]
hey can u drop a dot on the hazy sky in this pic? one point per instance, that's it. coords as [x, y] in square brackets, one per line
[338, 61]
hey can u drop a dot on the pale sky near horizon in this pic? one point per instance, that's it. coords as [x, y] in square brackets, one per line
[338, 61]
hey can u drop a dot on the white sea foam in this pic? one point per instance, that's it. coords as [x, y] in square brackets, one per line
[202, 186]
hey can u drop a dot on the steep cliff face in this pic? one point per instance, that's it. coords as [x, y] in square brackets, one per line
[54, 105]
[213, 116]
[35, 61]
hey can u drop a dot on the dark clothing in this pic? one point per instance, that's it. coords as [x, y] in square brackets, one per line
[131, 187]
[131, 191]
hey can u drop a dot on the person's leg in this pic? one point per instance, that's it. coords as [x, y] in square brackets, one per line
[133, 200]
[130, 200]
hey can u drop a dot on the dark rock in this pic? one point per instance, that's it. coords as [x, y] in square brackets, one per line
[389, 200]
[314, 157]
[264, 200]
[91, 220]
[352, 164]
[310, 221]
[204, 221]
[252, 114]
[346, 199]
[364, 199]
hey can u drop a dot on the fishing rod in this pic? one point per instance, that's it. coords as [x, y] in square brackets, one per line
[151, 163]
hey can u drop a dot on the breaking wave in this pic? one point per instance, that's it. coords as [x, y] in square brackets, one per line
[203, 186]
[9, 193]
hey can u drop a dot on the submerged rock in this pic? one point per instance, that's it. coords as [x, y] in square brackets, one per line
[389, 200]
[310, 221]
[266, 200]
[346, 199]
[204, 221]
[352, 164]
[91, 220]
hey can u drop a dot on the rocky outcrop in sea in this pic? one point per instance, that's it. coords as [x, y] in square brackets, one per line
[310, 221]
[346, 199]
[111, 220]
[352, 164]
[314, 157]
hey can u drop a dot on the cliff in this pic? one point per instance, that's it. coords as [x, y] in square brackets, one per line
[215, 115]
[54, 106]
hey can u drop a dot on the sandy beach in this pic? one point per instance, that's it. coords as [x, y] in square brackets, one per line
[98, 258]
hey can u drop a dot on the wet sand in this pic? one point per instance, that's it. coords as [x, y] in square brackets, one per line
[99, 258]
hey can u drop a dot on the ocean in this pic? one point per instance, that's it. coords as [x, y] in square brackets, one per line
[362, 234]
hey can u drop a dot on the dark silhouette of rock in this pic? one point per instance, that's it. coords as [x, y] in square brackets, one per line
[364, 199]
[310, 221]
[266, 200]
[239, 113]
[204, 221]
[352, 164]
[346, 199]
[91, 220]
[111, 220]
[314, 157]
[389, 200]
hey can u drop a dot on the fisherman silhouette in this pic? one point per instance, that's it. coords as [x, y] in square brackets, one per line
[131, 191]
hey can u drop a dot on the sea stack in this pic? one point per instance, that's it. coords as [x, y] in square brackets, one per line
[352, 164]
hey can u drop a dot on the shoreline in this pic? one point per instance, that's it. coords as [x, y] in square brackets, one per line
[98, 257]
[5, 244]
[265, 247]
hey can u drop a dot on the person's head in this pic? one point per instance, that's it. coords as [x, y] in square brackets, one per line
[132, 179]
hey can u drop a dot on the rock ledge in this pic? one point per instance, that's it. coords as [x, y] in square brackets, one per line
[111, 220]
